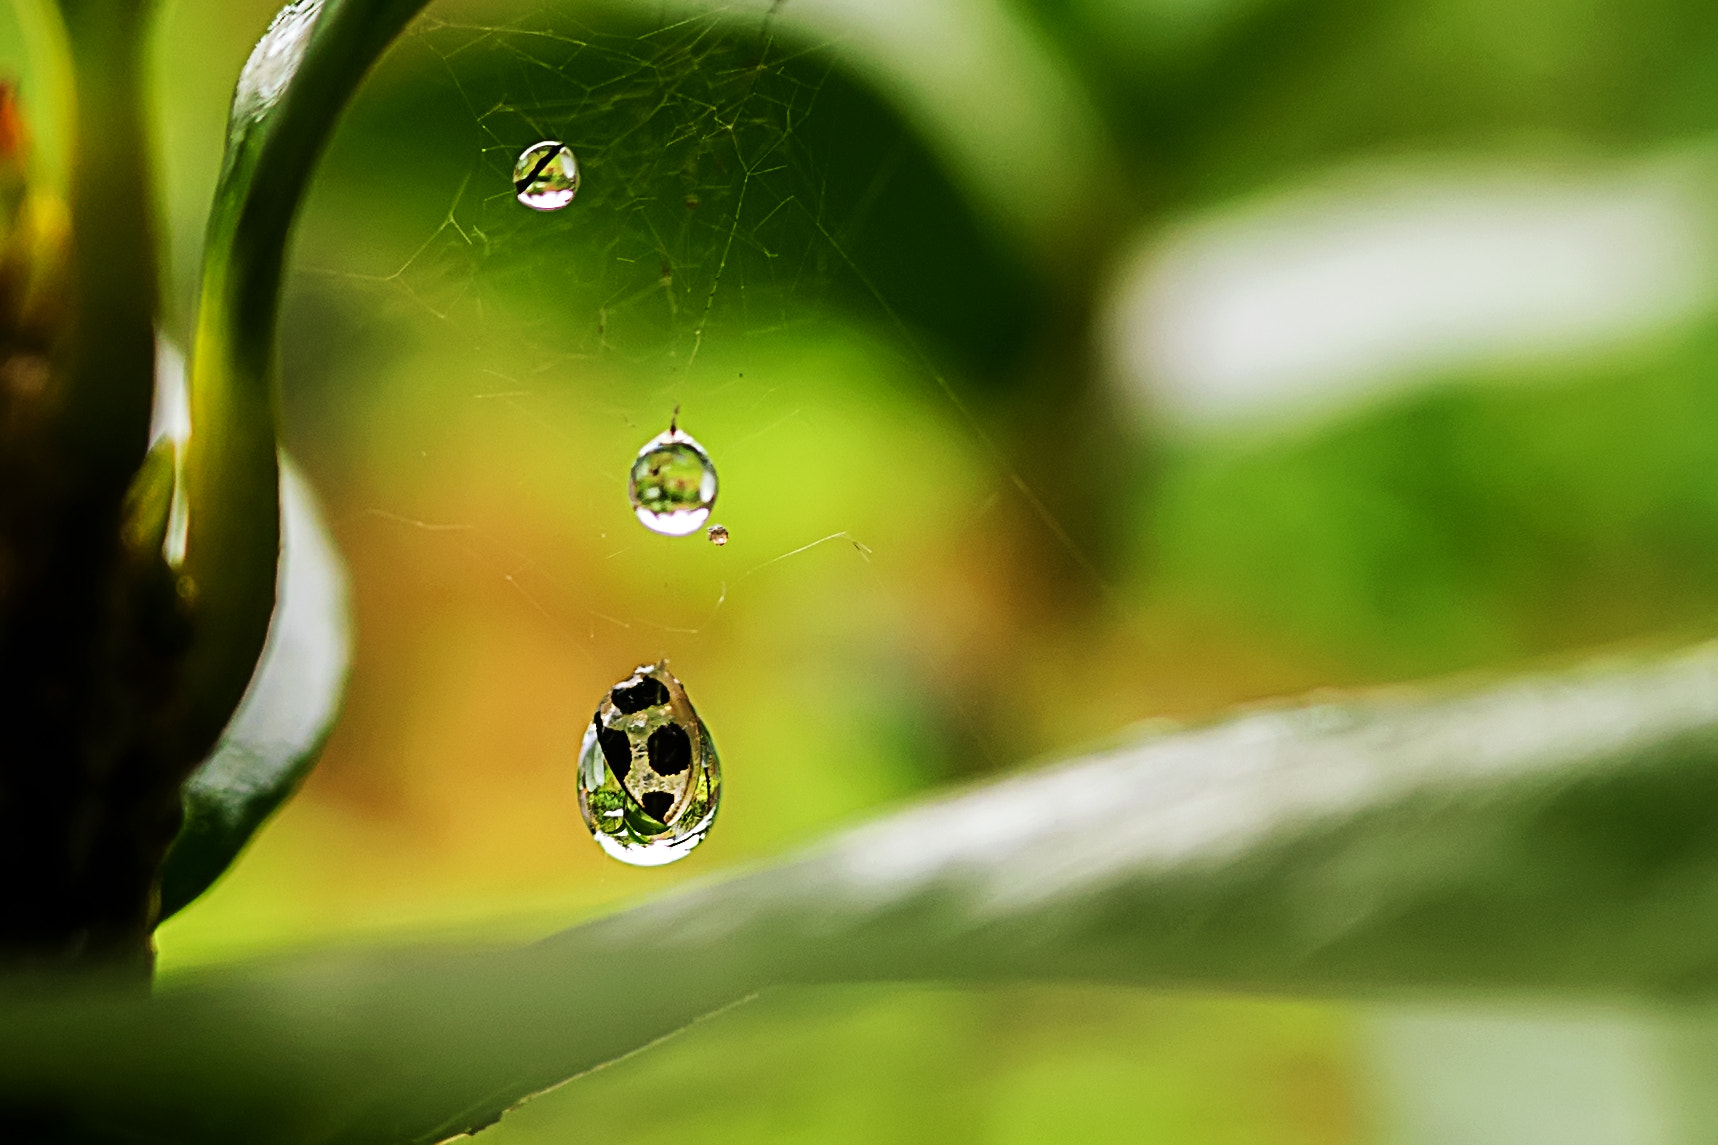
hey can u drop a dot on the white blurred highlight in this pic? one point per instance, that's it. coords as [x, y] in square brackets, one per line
[170, 421]
[170, 416]
[1316, 298]
[1520, 1075]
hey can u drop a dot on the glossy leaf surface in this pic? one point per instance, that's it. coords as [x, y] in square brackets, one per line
[287, 712]
[289, 97]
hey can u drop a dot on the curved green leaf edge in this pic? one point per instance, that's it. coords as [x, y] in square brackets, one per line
[281, 724]
[1552, 835]
[224, 540]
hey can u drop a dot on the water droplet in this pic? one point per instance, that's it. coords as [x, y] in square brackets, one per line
[673, 484]
[718, 535]
[649, 780]
[547, 176]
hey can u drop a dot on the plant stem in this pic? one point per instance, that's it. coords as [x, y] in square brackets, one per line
[86, 809]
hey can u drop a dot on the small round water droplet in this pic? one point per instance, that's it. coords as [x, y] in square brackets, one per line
[547, 176]
[718, 535]
[649, 780]
[673, 484]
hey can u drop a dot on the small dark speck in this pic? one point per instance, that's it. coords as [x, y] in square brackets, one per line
[631, 698]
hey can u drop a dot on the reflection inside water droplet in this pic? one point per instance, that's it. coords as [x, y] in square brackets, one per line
[547, 176]
[649, 779]
[718, 535]
[673, 484]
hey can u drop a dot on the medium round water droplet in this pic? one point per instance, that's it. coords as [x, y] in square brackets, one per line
[547, 176]
[649, 780]
[673, 484]
[718, 535]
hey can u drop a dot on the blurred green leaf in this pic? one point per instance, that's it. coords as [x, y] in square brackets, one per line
[1004, 111]
[1487, 518]
[280, 726]
[1548, 834]
[1208, 99]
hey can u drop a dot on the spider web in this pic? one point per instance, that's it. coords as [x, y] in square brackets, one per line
[701, 225]
[693, 206]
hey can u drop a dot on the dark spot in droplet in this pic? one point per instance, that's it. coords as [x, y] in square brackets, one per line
[670, 750]
[630, 698]
[521, 185]
[616, 748]
[657, 804]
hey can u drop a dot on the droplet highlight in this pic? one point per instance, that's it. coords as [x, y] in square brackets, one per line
[547, 176]
[649, 779]
[672, 484]
[718, 535]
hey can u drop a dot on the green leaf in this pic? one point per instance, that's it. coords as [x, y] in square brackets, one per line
[1549, 835]
[286, 714]
[287, 103]
[985, 89]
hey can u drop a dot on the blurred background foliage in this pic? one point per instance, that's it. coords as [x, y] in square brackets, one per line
[1375, 338]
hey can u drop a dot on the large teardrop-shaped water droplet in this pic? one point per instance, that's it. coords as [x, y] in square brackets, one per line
[673, 484]
[547, 176]
[649, 780]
